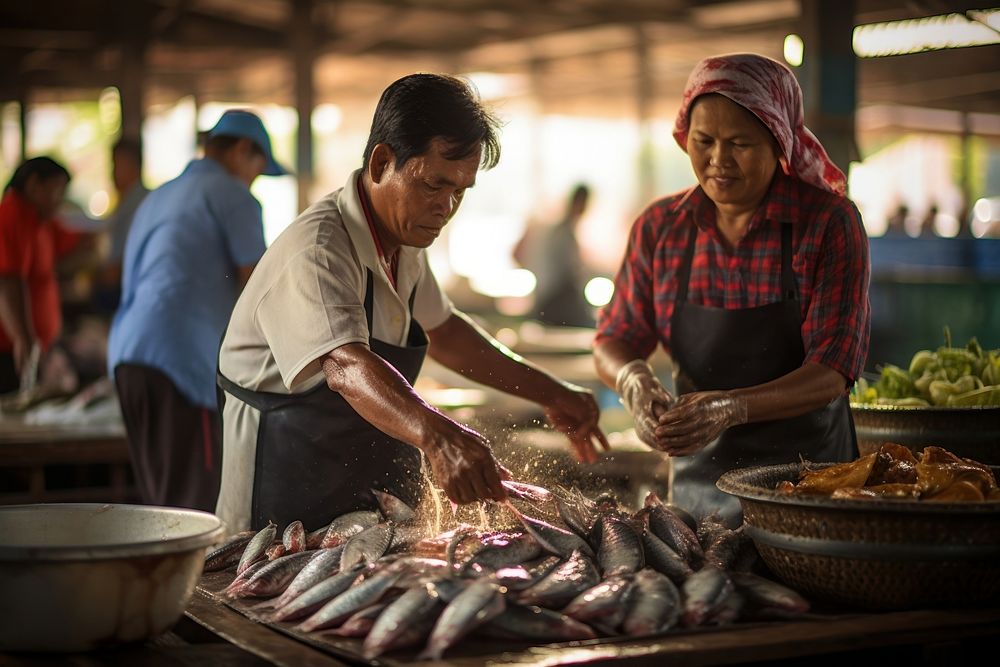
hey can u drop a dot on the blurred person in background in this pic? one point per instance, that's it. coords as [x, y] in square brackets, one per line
[325, 342]
[754, 281]
[553, 256]
[126, 173]
[32, 243]
[928, 225]
[896, 224]
[192, 246]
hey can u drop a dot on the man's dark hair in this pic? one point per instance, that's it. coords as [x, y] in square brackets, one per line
[130, 147]
[417, 108]
[44, 168]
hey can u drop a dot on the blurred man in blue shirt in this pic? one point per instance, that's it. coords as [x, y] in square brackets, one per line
[193, 244]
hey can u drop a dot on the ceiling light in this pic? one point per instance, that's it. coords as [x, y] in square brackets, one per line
[947, 31]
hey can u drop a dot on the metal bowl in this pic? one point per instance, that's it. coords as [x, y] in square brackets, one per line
[82, 576]
[872, 554]
[972, 433]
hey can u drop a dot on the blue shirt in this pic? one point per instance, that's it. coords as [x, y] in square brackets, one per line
[179, 280]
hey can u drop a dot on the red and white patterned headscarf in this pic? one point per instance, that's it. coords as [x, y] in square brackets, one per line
[769, 91]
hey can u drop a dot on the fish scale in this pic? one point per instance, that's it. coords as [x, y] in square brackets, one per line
[573, 576]
[341, 607]
[273, 578]
[620, 551]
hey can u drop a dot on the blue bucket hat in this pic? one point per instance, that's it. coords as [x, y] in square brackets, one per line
[243, 124]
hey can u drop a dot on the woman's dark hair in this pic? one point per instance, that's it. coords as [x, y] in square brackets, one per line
[44, 168]
[417, 108]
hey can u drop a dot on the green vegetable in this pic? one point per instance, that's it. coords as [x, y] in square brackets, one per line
[949, 376]
[985, 397]
[911, 402]
[920, 362]
[894, 383]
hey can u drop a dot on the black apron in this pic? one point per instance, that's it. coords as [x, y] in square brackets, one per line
[720, 349]
[317, 458]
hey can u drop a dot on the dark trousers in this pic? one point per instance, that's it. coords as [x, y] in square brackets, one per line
[9, 379]
[175, 446]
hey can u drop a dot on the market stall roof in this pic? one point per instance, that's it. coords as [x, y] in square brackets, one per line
[573, 54]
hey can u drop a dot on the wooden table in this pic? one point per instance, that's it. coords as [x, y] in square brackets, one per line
[33, 449]
[214, 635]
[924, 635]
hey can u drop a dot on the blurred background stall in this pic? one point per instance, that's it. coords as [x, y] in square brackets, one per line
[903, 94]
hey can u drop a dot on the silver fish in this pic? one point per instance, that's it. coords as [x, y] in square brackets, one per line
[536, 624]
[310, 601]
[573, 576]
[360, 623]
[673, 532]
[665, 560]
[420, 570]
[392, 507]
[405, 537]
[273, 578]
[346, 526]
[727, 611]
[620, 551]
[654, 606]
[703, 592]
[294, 538]
[323, 565]
[243, 577]
[478, 603]
[405, 622]
[553, 539]
[502, 549]
[766, 594]
[367, 546]
[257, 547]
[229, 552]
[606, 603]
[722, 545]
[337, 610]
[578, 516]
[520, 577]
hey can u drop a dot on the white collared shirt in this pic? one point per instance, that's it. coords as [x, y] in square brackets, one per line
[305, 299]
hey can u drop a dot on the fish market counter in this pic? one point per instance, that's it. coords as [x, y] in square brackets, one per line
[916, 636]
[212, 633]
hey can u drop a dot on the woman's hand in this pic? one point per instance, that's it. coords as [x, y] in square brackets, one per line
[574, 412]
[697, 419]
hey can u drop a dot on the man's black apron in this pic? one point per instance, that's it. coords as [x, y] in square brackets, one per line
[720, 349]
[317, 458]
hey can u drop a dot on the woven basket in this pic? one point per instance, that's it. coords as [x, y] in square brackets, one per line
[872, 554]
[972, 433]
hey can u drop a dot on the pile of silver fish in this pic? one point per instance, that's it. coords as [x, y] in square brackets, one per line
[567, 568]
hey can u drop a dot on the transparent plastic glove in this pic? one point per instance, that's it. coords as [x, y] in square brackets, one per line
[645, 398]
[697, 419]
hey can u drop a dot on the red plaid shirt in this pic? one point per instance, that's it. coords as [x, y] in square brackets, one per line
[830, 260]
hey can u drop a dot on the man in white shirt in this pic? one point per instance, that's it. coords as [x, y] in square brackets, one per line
[328, 336]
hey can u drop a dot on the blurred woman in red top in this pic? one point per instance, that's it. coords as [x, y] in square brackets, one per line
[755, 282]
[31, 242]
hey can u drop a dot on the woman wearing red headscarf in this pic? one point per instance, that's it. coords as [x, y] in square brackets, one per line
[754, 281]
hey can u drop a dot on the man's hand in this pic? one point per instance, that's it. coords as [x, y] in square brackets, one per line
[463, 464]
[697, 419]
[645, 398]
[574, 412]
